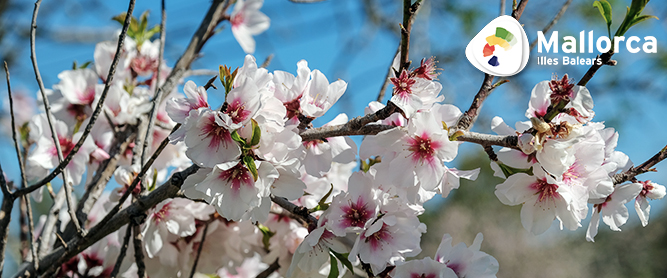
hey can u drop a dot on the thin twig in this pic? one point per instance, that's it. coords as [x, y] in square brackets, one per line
[49, 117]
[645, 167]
[270, 270]
[136, 180]
[138, 244]
[409, 11]
[201, 247]
[24, 180]
[546, 29]
[93, 118]
[5, 189]
[5, 218]
[299, 211]
[103, 174]
[518, 11]
[61, 254]
[121, 255]
[47, 238]
[31, 232]
[152, 116]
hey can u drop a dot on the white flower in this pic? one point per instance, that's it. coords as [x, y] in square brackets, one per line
[612, 209]
[466, 262]
[232, 189]
[321, 95]
[651, 191]
[248, 21]
[544, 200]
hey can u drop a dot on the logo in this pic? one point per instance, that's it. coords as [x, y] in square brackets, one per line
[500, 49]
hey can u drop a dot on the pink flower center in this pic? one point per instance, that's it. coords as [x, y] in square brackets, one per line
[647, 187]
[237, 20]
[236, 110]
[377, 239]
[403, 84]
[237, 176]
[356, 214]
[161, 214]
[216, 134]
[293, 108]
[66, 146]
[78, 111]
[545, 190]
[423, 149]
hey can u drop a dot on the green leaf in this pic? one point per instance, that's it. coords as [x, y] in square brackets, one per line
[150, 33]
[154, 183]
[334, 268]
[85, 65]
[343, 259]
[641, 18]
[605, 10]
[266, 235]
[144, 21]
[324, 198]
[74, 65]
[256, 133]
[508, 171]
[236, 137]
[250, 163]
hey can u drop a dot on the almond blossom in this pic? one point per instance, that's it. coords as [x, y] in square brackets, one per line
[248, 21]
[651, 191]
[544, 199]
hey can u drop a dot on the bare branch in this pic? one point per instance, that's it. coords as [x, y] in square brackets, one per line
[5, 218]
[152, 116]
[47, 109]
[518, 11]
[269, 270]
[62, 254]
[201, 247]
[352, 127]
[298, 211]
[121, 255]
[560, 13]
[136, 180]
[93, 118]
[409, 11]
[510, 141]
[138, 244]
[31, 232]
[647, 166]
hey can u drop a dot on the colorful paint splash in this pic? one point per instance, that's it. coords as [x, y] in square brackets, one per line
[502, 38]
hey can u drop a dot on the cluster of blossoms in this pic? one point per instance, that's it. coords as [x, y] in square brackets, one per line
[565, 163]
[249, 153]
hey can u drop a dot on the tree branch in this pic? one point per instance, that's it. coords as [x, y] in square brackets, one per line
[409, 11]
[93, 118]
[269, 270]
[62, 254]
[643, 168]
[5, 218]
[546, 29]
[49, 117]
[201, 247]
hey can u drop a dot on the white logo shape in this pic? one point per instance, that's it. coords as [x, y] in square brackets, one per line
[500, 49]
